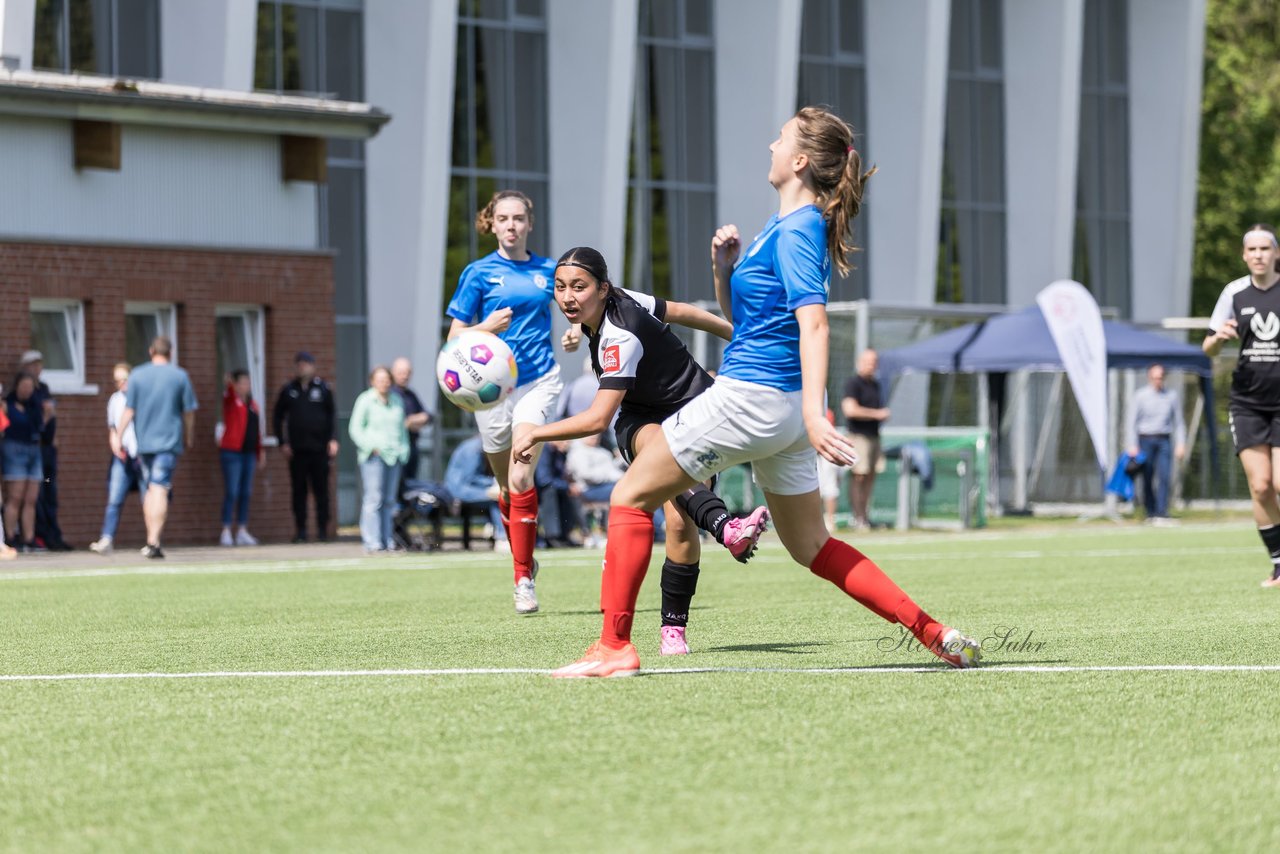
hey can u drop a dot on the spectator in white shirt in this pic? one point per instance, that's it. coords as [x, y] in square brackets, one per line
[125, 474]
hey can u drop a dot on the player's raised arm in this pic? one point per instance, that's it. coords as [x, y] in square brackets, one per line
[595, 419]
[725, 247]
[696, 318]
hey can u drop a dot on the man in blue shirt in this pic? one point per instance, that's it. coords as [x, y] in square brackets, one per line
[1155, 428]
[161, 405]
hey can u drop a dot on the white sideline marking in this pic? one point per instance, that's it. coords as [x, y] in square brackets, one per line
[408, 564]
[505, 671]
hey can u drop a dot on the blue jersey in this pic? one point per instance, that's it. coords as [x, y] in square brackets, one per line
[525, 287]
[787, 266]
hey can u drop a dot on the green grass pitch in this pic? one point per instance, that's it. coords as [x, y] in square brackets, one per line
[761, 757]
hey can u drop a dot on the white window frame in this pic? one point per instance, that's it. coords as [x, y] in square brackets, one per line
[166, 315]
[72, 381]
[254, 318]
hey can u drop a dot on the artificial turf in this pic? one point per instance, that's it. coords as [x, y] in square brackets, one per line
[741, 759]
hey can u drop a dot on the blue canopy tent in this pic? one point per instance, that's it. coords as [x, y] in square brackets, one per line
[1021, 341]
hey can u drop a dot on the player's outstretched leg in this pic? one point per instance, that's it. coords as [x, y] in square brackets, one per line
[798, 519]
[857, 575]
[708, 512]
[626, 560]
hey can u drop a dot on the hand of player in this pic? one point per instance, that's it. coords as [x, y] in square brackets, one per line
[116, 447]
[1179, 452]
[522, 448]
[726, 244]
[333, 449]
[1227, 331]
[571, 339]
[498, 321]
[1133, 452]
[830, 442]
[286, 452]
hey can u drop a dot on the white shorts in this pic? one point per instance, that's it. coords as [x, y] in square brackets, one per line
[736, 422]
[533, 403]
[828, 478]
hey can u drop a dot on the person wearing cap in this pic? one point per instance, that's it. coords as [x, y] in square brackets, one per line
[305, 420]
[48, 531]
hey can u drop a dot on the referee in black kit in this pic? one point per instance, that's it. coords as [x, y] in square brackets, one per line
[305, 420]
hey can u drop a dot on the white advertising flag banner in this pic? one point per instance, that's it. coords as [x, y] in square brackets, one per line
[1076, 326]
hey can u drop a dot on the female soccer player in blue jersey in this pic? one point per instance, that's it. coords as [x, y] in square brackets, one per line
[509, 292]
[768, 404]
[646, 375]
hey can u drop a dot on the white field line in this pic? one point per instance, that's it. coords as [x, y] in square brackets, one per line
[407, 564]
[506, 671]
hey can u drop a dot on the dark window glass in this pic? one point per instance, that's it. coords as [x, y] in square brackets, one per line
[265, 56]
[837, 78]
[138, 44]
[299, 39]
[110, 37]
[971, 250]
[1101, 256]
[139, 331]
[671, 197]
[499, 135]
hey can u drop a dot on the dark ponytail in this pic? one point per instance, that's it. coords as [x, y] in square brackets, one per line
[586, 258]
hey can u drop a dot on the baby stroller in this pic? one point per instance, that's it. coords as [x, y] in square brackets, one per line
[419, 521]
[424, 506]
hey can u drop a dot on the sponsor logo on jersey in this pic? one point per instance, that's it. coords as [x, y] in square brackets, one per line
[611, 359]
[1248, 309]
[1265, 327]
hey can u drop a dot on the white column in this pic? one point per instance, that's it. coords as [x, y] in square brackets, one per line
[906, 50]
[1166, 55]
[409, 49]
[1042, 52]
[208, 44]
[757, 65]
[591, 60]
[18, 30]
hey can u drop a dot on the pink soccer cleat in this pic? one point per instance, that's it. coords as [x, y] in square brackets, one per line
[742, 535]
[673, 641]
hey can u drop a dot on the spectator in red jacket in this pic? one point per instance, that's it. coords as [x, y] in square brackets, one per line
[241, 452]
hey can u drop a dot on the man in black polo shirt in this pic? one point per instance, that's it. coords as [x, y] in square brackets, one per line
[306, 421]
[864, 413]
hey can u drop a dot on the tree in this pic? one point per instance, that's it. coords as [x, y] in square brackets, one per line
[1239, 146]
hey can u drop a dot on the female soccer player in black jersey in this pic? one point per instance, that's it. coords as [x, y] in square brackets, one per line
[646, 374]
[1249, 309]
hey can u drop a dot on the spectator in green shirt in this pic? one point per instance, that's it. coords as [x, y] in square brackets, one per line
[382, 447]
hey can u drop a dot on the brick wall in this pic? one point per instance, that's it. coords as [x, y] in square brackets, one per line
[296, 293]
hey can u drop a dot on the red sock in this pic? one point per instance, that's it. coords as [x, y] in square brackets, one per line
[523, 531]
[856, 574]
[504, 509]
[626, 560]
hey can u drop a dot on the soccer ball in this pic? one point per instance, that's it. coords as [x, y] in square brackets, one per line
[476, 370]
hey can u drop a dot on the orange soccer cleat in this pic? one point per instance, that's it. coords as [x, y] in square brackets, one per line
[601, 660]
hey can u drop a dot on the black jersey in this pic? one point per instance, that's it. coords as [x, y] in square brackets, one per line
[1255, 383]
[635, 350]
